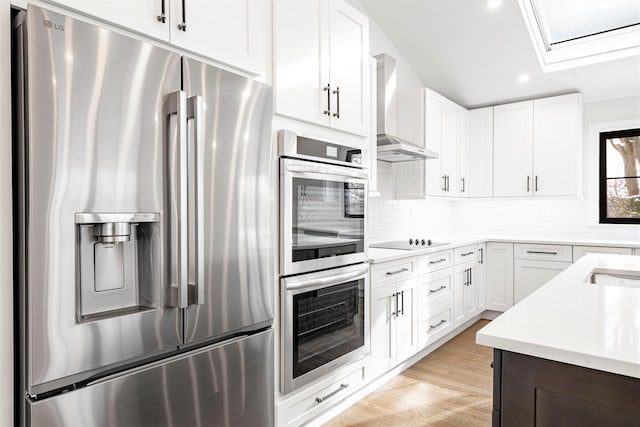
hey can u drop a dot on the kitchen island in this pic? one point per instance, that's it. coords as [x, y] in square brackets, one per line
[569, 354]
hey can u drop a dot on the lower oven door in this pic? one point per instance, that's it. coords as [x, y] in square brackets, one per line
[323, 323]
[322, 217]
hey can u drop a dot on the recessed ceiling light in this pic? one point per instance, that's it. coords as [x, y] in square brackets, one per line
[523, 78]
[494, 4]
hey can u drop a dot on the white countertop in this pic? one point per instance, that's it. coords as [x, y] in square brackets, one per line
[378, 255]
[567, 320]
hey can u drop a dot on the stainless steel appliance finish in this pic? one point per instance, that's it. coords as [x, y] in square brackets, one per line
[227, 384]
[408, 245]
[322, 207]
[323, 323]
[390, 147]
[234, 208]
[112, 154]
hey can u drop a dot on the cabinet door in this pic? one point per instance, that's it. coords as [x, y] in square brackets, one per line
[348, 53]
[229, 31]
[462, 181]
[373, 126]
[448, 150]
[557, 123]
[383, 329]
[512, 149]
[480, 153]
[459, 284]
[434, 106]
[529, 275]
[499, 276]
[406, 321]
[138, 15]
[480, 279]
[300, 58]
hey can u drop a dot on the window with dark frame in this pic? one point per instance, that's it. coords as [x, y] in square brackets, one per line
[620, 177]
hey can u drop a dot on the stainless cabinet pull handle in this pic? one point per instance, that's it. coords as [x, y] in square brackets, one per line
[402, 299]
[467, 253]
[528, 183]
[337, 93]
[543, 252]
[327, 89]
[333, 393]
[481, 256]
[536, 183]
[163, 16]
[437, 324]
[433, 291]
[447, 182]
[402, 270]
[444, 182]
[436, 262]
[462, 179]
[183, 25]
[470, 278]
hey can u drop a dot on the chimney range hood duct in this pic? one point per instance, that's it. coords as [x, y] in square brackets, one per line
[390, 147]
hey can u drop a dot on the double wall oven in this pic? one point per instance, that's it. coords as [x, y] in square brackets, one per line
[323, 258]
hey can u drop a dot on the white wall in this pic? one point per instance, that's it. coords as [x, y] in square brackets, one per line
[6, 268]
[570, 218]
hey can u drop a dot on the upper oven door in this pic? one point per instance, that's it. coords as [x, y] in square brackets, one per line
[322, 216]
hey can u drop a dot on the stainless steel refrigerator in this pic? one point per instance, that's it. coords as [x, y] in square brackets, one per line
[143, 230]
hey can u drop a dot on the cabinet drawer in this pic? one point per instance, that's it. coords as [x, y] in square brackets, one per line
[580, 251]
[393, 271]
[436, 324]
[313, 402]
[434, 289]
[435, 261]
[465, 254]
[543, 252]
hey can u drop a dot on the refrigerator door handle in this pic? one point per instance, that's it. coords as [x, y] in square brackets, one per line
[178, 209]
[195, 206]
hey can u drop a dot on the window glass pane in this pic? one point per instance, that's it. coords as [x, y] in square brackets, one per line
[620, 185]
[564, 20]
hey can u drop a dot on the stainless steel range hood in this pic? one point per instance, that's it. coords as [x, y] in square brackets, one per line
[390, 147]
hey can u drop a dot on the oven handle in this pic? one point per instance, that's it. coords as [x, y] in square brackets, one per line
[312, 284]
[326, 171]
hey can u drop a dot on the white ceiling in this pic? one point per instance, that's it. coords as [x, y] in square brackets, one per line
[474, 55]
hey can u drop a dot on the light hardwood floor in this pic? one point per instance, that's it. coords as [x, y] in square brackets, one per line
[450, 387]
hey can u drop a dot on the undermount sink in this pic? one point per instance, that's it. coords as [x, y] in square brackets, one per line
[610, 277]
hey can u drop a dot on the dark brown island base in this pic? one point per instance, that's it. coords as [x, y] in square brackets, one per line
[530, 391]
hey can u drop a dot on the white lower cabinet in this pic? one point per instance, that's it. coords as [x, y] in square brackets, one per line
[394, 335]
[532, 274]
[536, 264]
[465, 292]
[312, 402]
[499, 276]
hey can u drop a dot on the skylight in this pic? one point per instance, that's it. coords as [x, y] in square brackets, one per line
[564, 21]
[570, 33]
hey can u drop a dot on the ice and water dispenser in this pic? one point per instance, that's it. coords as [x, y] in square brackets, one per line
[116, 255]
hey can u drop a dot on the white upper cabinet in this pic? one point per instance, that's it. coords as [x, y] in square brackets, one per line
[409, 115]
[512, 145]
[536, 146]
[433, 122]
[479, 153]
[143, 16]
[228, 31]
[557, 126]
[321, 61]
